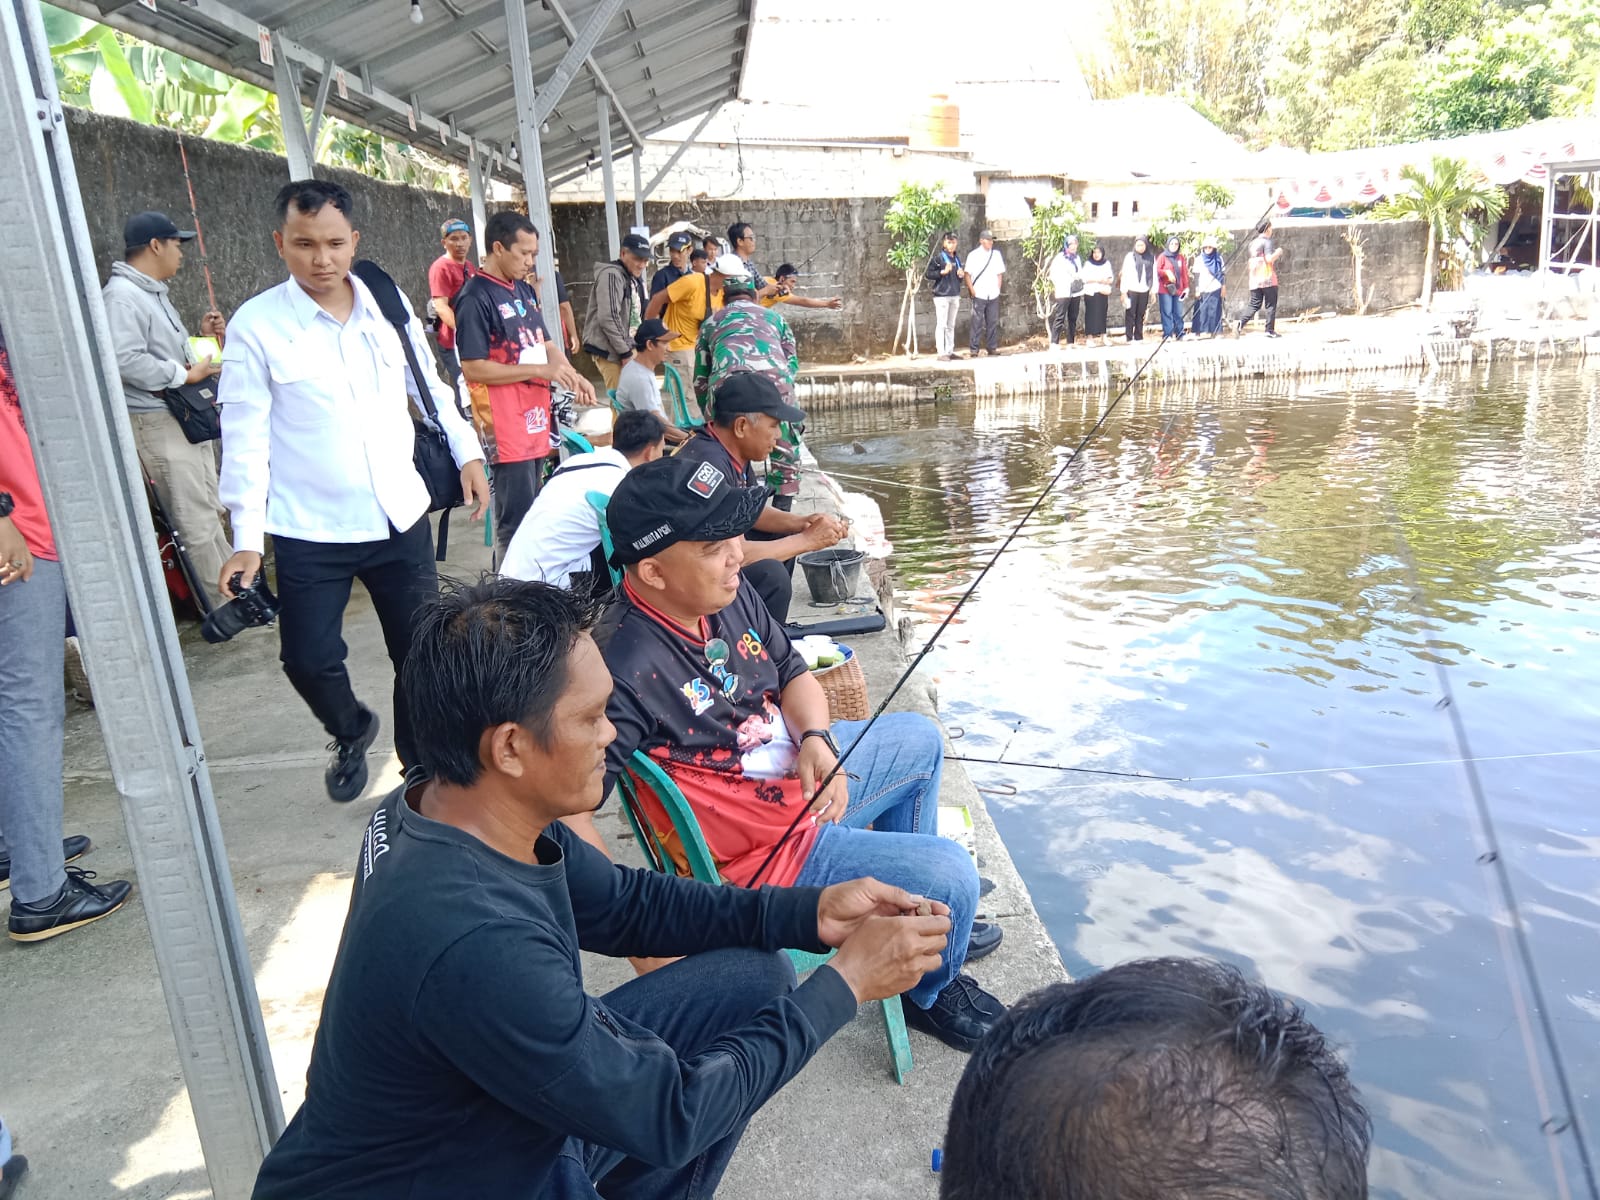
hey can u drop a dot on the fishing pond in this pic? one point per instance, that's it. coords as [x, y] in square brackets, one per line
[1243, 648]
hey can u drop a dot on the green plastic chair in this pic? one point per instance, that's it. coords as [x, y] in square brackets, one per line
[598, 502]
[616, 405]
[576, 442]
[683, 418]
[643, 771]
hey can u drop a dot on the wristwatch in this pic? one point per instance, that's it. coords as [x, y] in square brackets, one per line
[6, 504]
[827, 739]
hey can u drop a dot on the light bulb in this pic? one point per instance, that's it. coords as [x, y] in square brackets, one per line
[416, 12]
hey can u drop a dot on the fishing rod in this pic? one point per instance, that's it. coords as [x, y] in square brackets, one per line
[199, 234]
[1016, 531]
[1552, 1123]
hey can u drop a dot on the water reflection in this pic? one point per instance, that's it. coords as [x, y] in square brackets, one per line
[1248, 589]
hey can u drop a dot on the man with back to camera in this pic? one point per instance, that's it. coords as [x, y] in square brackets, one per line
[458, 1054]
[446, 276]
[152, 348]
[679, 246]
[616, 306]
[317, 451]
[506, 347]
[637, 388]
[1162, 1079]
[559, 543]
[684, 304]
[986, 272]
[709, 687]
[746, 422]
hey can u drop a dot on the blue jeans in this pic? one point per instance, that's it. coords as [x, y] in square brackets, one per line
[33, 701]
[689, 1005]
[1171, 315]
[1208, 313]
[899, 766]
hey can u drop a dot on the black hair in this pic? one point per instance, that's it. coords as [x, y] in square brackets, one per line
[736, 231]
[712, 239]
[698, 255]
[635, 429]
[1164, 1079]
[482, 655]
[950, 235]
[504, 227]
[309, 195]
[1264, 226]
[785, 269]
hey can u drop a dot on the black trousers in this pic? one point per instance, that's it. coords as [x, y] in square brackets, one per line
[516, 485]
[1064, 315]
[773, 579]
[314, 580]
[1262, 298]
[1133, 316]
[985, 318]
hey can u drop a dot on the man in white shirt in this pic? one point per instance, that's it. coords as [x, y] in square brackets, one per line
[559, 542]
[317, 451]
[637, 387]
[986, 271]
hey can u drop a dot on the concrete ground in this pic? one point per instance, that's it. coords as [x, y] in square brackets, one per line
[89, 1076]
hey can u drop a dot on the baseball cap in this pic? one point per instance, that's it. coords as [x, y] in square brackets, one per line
[671, 500]
[679, 240]
[729, 264]
[454, 225]
[751, 392]
[143, 228]
[635, 244]
[987, 233]
[650, 331]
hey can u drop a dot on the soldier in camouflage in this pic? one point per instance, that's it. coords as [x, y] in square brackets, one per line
[744, 336]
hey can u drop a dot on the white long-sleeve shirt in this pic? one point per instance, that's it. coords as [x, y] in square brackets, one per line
[316, 434]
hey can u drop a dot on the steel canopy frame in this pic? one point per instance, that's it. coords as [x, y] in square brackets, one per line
[78, 423]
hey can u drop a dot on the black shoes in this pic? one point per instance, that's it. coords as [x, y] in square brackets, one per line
[11, 1173]
[985, 939]
[962, 1014]
[72, 849]
[79, 903]
[346, 777]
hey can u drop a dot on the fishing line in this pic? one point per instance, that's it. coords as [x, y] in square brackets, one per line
[1553, 1124]
[911, 487]
[1009, 762]
[1005, 544]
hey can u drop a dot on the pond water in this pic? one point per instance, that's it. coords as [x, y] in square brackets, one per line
[1251, 589]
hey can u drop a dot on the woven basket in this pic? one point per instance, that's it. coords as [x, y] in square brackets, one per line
[845, 686]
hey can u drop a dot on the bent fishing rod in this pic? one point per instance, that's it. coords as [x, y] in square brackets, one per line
[806, 809]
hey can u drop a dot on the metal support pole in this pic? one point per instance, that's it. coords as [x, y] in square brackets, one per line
[638, 186]
[531, 156]
[296, 144]
[477, 180]
[320, 105]
[682, 147]
[608, 178]
[78, 423]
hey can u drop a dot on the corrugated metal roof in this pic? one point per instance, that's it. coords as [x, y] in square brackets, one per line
[665, 61]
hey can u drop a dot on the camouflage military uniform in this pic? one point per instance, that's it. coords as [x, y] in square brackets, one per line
[743, 336]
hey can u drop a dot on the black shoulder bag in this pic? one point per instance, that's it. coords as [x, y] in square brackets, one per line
[431, 450]
[194, 407]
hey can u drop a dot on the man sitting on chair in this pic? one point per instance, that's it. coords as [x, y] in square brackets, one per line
[561, 544]
[707, 684]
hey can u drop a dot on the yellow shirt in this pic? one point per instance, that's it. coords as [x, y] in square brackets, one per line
[776, 297]
[686, 309]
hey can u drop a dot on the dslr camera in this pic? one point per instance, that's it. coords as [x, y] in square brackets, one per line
[254, 605]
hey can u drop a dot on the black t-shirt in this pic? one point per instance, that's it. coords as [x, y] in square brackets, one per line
[703, 446]
[704, 704]
[458, 1052]
[666, 277]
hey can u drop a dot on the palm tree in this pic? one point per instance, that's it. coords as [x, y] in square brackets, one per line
[1455, 200]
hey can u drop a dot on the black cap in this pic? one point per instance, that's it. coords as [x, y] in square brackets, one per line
[636, 244]
[143, 228]
[650, 331]
[750, 392]
[675, 500]
[679, 240]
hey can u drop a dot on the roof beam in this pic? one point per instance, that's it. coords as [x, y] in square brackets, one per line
[679, 152]
[595, 72]
[691, 97]
[577, 54]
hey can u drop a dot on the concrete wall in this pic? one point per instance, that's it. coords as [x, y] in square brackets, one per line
[839, 244]
[124, 167]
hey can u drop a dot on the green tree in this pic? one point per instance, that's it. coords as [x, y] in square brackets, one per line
[1456, 202]
[917, 216]
[1054, 218]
